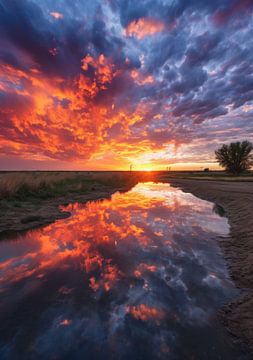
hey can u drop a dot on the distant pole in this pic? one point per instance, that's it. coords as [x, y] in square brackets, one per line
[131, 167]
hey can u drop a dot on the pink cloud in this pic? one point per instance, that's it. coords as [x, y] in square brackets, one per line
[57, 15]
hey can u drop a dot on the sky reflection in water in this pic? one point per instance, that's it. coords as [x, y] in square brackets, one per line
[139, 276]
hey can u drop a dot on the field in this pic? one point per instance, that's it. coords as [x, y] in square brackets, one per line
[210, 175]
[50, 184]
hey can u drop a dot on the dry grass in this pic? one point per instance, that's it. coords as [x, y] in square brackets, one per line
[211, 175]
[21, 185]
[12, 183]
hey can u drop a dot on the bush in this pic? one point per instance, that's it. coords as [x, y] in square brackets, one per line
[235, 157]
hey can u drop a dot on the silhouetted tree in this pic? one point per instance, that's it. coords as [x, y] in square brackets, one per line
[235, 157]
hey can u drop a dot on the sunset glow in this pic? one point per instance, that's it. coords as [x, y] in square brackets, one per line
[101, 85]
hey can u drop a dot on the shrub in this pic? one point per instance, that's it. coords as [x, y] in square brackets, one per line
[235, 157]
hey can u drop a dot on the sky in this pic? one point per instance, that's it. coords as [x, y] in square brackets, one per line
[106, 84]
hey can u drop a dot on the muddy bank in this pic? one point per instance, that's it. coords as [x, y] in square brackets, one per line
[237, 200]
[20, 216]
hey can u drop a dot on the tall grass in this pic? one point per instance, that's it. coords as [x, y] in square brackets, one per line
[21, 185]
[16, 184]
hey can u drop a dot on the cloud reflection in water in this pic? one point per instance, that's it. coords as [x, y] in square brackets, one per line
[137, 276]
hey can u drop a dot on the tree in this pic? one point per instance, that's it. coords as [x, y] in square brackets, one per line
[235, 157]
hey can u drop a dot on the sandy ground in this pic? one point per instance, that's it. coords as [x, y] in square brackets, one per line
[237, 200]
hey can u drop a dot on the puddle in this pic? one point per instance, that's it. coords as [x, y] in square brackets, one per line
[140, 276]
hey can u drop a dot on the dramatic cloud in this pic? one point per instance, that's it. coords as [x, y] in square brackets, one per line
[144, 27]
[105, 84]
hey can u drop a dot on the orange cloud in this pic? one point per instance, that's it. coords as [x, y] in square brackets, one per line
[84, 126]
[80, 127]
[146, 313]
[66, 107]
[104, 69]
[140, 79]
[144, 27]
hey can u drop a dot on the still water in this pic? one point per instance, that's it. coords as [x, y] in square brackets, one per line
[139, 276]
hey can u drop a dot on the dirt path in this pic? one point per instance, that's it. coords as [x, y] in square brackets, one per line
[236, 198]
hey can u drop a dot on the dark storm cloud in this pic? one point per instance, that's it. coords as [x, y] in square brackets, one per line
[56, 47]
[203, 49]
[169, 10]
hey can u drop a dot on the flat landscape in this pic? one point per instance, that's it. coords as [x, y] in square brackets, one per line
[29, 199]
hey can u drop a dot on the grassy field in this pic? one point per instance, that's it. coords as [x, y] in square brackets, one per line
[47, 184]
[210, 175]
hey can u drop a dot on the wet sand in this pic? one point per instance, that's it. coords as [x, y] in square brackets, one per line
[237, 200]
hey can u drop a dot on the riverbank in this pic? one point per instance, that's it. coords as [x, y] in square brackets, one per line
[236, 199]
